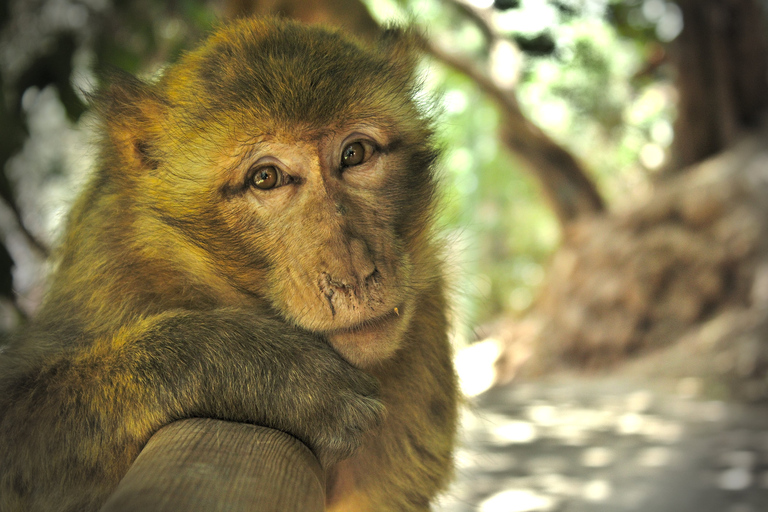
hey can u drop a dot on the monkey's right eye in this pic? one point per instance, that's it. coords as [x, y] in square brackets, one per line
[357, 153]
[266, 177]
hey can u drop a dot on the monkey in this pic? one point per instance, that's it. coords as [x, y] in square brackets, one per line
[257, 244]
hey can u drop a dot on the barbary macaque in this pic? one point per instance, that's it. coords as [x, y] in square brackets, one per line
[256, 244]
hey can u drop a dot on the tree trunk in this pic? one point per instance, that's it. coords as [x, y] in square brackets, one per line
[722, 76]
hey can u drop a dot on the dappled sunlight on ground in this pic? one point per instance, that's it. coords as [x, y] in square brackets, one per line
[608, 444]
[475, 366]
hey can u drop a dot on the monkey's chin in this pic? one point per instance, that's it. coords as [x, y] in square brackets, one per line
[372, 341]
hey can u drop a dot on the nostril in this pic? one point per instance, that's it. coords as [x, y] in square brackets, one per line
[373, 278]
[361, 259]
[341, 294]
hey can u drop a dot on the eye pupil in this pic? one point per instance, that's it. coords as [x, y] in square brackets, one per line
[265, 178]
[354, 154]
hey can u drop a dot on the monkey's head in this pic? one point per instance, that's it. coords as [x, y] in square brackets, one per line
[287, 163]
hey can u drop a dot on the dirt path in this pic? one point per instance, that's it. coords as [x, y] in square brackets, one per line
[582, 444]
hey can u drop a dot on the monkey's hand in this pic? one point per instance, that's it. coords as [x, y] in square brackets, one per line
[345, 406]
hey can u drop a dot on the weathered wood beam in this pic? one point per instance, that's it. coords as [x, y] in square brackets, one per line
[209, 465]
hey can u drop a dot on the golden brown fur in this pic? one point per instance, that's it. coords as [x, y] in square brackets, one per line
[255, 246]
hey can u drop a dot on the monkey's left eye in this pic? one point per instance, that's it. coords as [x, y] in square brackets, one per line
[356, 153]
[268, 177]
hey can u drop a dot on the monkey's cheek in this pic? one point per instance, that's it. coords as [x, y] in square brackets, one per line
[369, 344]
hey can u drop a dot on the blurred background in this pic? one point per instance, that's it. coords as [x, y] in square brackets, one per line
[606, 217]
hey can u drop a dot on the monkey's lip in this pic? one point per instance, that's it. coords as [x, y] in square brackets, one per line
[370, 341]
[371, 324]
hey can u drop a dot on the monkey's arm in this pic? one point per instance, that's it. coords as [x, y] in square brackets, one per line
[90, 410]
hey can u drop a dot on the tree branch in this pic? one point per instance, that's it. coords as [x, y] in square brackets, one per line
[570, 192]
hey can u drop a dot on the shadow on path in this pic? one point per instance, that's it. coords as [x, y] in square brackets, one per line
[581, 444]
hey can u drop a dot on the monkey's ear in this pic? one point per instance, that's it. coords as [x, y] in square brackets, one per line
[403, 45]
[132, 114]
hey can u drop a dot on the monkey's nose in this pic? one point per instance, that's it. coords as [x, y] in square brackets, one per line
[346, 297]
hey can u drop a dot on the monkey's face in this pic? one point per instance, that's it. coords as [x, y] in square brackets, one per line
[327, 221]
[298, 168]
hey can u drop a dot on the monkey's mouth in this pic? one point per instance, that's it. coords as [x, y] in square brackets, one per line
[371, 324]
[371, 340]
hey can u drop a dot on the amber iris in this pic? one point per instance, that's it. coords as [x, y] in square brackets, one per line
[265, 178]
[353, 154]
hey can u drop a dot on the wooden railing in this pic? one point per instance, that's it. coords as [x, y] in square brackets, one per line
[208, 465]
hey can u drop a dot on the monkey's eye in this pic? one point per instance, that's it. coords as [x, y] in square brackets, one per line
[356, 153]
[267, 177]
